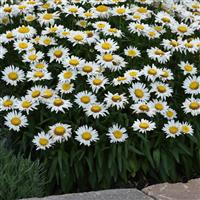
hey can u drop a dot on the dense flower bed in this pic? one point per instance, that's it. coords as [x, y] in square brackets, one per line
[89, 73]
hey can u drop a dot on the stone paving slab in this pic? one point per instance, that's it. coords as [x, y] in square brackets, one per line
[118, 194]
[176, 191]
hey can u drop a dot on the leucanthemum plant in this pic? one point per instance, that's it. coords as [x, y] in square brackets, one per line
[97, 85]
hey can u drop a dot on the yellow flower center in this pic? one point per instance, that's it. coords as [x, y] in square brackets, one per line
[159, 106]
[139, 93]
[194, 85]
[185, 129]
[66, 86]
[46, 5]
[47, 41]
[47, 94]
[182, 29]
[112, 30]
[23, 45]
[118, 134]
[101, 26]
[188, 68]
[24, 30]
[96, 108]
[22, 7]
[40, 65]
[59, 130]
[170, 113]
[97, 81]
[116, 98]
[7, 103]
[165, 74]
[133, 73]
[121, 78]
[144, 107]
[106, 45]
[121, 11]
[194, 105]
[161, 88]
[26, 104]
[43, 141]
[78, 37]
[48, 16]
[85, 99]
[144, 125]
[132, 53]
[107, 57]
[159, 52]
[152, 71]
[16, 121]
[189, 45]
[73, 10]
[58, 53]
[7, 9]
[74, 62]
[87, 68]
[32, 57]
[102, 8]
[86, 135]
[174, 43]
[173, 129]
[139, 26]
[68, 74]
[53, 29]
[13, 76]
[152, 33]
[38, 74]
[9, 35]
[35, 93]
[142, 10]
[58, 102]
[166, 19]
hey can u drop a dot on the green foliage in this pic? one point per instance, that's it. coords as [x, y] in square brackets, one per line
[19, 177]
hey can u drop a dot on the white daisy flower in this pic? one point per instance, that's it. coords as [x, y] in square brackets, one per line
[86, 135]
[73, 62]
[96, 110]
[132, 52]
[133, 74]
[172, 129]
[97, 82]
[22, 45]
[58, 54]
[43, 141]
[77, 37]
[145, 108]
[162, 90]
[160, 106]
[139, 92]
[106, 46]
[47, 18]
[7, 103]
[150, 72]
[60, 132]
[117, 134]
[158, 55]
[85, 98]
[15, 121]
[13, 75]
[101, 25]
[120, 80]
[35, 92]
[143, 125]
[58, 104]
[65, 87]
[38, 75]
[88, 68]
[3, 51]
[191, 106]
[32, 56]
[188, 68]
[186, 128]
[116, 100]
[114, 32]
[192, 85]
[166, 74]
[23, 32]
[182, 29]
[26, 104]
[169, 114]
[67, 75]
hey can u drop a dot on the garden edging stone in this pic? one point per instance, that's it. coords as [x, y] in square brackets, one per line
[118, 194]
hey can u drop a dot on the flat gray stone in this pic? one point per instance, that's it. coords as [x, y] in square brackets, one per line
[176, 191]
[118, 194]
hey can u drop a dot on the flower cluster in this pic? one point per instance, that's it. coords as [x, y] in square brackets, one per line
[103, 58]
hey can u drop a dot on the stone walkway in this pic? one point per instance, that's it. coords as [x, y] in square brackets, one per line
[165, 191]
